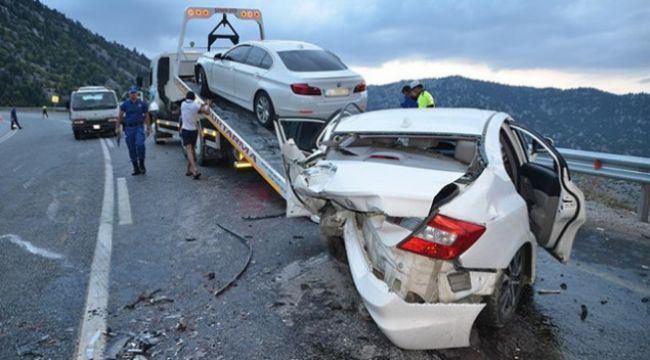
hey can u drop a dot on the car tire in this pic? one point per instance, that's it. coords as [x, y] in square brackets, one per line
[203, 82]
[331, 234]
[263, 108]
[200, 150]
[77, 135]
[510, 285]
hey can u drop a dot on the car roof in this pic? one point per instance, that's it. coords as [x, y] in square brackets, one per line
[283, 45]
[461, 121]
[93, 88]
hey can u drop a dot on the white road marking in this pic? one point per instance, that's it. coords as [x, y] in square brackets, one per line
[110, 144]
[31, 248]
[8, 135]
[123, 203]
[92, 340]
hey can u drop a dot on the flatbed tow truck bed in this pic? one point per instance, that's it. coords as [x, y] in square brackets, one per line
[257, 145]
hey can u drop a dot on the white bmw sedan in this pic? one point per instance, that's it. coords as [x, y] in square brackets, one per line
[439, 212]
[284, 78]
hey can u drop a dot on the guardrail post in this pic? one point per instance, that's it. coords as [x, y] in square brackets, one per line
[644, 208]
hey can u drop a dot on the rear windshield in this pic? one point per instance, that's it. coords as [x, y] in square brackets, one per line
[100, 100]
[311, 60]
[449, 153]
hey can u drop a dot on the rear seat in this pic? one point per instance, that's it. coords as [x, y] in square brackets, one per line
[465, 151]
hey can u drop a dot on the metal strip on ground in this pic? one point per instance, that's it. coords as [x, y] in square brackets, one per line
[92, 339]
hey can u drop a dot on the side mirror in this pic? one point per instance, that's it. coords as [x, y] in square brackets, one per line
[550, 141]
[537, 148]
[218, 56]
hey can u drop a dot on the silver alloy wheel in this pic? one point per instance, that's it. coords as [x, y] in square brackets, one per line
[263, 109]
[511, 283]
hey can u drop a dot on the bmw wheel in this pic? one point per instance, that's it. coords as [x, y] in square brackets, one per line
[264, 111]
[503, 303]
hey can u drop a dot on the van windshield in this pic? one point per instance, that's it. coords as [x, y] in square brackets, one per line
[99, 100]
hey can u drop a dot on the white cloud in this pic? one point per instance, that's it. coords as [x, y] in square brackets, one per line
[396, 70]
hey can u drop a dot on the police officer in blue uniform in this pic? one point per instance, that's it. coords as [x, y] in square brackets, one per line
[134, 118]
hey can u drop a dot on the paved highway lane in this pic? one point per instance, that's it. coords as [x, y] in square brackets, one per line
[170, 253]
[50, 196]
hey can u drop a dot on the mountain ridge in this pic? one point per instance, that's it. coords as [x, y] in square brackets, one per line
[582, 118]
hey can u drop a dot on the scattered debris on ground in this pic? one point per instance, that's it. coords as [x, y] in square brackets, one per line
[548, 292]
[134, 346]
[249, 256]
[583, 312]
[149, 299]
[263, 217]
[31, 348]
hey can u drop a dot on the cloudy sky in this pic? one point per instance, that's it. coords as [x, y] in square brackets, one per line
[556, 43]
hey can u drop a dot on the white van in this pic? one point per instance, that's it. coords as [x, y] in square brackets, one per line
[93, 109]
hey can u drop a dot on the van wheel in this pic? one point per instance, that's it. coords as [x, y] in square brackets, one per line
[503, 303]
[264, 110]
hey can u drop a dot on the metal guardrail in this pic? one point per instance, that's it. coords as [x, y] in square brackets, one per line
[620, 167]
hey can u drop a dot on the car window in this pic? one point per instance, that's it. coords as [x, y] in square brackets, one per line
[537, 151]
[266, 62]
[255, 57]
[311, 60]
[100, 100]
[238, 54]
[303, 133]
[444, 152]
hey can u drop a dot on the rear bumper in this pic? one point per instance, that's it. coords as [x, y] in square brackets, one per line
[409, 326]
[317, 106]
[88, 127]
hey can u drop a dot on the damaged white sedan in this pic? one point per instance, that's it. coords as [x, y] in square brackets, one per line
[438, 211]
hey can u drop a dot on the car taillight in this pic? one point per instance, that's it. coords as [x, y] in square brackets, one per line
[443, 238]
[361, 87]
[305, 89]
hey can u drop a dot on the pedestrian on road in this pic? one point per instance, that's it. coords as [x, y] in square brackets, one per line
[45, 112]
[134, 118]
[409, 101]
[423, 97]
[189, 118]
[14, 119]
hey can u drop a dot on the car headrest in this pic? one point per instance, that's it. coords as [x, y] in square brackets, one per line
[465, 151]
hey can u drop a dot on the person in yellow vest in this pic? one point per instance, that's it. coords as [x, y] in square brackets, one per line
[423, 97]
[45, 112]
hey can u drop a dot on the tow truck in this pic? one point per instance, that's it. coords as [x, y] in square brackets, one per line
[229, 134]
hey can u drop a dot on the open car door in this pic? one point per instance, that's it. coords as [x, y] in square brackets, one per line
[303, 141]
[556, 206]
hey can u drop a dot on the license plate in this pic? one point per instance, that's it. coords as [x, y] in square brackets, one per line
[337, 92]
[96, 127]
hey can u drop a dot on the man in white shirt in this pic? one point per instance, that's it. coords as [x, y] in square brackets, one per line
[189, 118]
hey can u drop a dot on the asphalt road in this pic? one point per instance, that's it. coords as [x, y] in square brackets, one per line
[292, 302]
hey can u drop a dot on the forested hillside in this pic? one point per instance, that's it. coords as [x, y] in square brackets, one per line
[43, 52]
[580, 118]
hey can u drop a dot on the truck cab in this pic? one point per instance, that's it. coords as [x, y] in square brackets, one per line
[93, 109]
